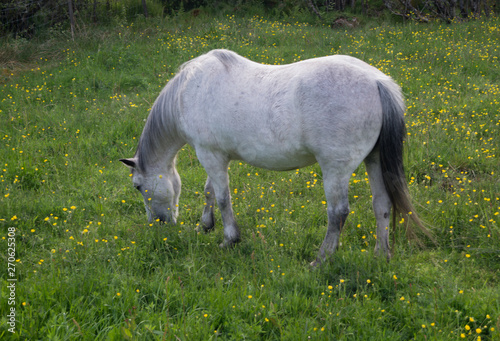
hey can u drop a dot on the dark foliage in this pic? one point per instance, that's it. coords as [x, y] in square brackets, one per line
[26, 18]
[447, 10]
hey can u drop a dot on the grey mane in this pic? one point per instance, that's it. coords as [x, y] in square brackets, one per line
[161, 124]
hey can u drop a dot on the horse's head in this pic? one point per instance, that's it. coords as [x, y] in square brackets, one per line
[160, 191]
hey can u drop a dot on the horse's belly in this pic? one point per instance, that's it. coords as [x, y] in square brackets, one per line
[279, 160]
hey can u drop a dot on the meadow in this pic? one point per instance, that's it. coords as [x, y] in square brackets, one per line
[89, 266]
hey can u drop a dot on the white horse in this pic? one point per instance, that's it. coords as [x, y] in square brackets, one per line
[335, 110]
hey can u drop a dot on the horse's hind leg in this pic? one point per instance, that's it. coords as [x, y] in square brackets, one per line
[336, 188]
[207, 219]
[381, 203]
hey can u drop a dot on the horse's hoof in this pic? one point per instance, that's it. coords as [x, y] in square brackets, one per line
[383, 253]
[225, 245]
[229, 244]
[208, 222]
[207, 229]
[314, 264]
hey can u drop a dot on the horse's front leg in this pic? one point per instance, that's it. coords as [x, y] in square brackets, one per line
[216, 165]
[207, 219]
[231, 229]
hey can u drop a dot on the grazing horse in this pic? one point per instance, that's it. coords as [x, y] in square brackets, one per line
[336, 110]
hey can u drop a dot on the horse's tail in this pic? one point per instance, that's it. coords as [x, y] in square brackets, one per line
[390, 143]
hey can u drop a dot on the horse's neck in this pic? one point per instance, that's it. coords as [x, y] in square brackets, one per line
[166, 160]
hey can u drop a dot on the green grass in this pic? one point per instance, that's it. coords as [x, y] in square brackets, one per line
[90, 267]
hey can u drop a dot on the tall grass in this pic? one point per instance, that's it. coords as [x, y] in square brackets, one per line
[90, 267]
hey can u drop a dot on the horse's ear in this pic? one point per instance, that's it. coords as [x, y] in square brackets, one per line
[129, 162]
